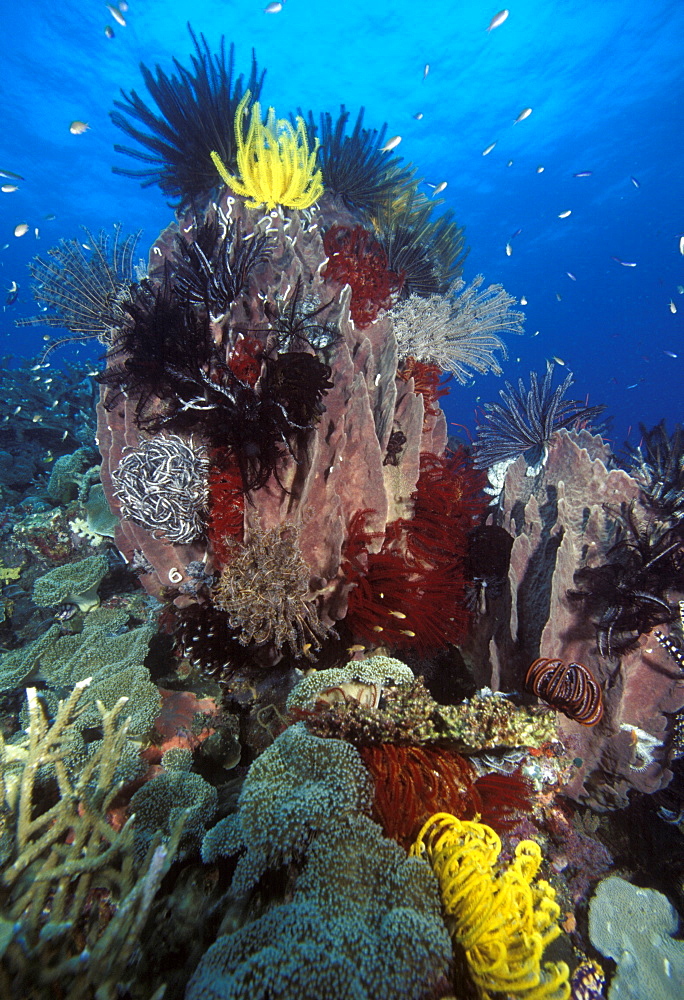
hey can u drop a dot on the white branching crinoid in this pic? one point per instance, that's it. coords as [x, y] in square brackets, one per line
[162, 485]
[457, 331]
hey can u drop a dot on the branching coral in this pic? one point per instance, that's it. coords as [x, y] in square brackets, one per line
[501, 917]
[196, 115]
[264, 591]
[85, 286]
[527, 419]
[357, 259]
[274, 163]
[457, 331]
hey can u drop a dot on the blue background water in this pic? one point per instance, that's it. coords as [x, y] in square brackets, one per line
[604, 80]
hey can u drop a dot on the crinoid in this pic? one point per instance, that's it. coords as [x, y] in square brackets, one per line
[627, 596]
[355, 167]
[413, 782]
[297, 321]
[428, 250]
[357, 259]
[527, 419]
[658, 465]
[196, 116]
[571, 688]
[86, 286]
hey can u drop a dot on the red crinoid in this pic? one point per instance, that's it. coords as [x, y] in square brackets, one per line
[410, 594]
[245, 359]
[414, 782]
[570, 688]
[426, 382]
[226, 505]
[356, 258]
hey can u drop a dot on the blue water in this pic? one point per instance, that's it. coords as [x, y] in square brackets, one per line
[604, 80]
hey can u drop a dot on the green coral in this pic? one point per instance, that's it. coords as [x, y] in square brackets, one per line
[73, 583]
[71, 475]
[159, 803]
[379, 670]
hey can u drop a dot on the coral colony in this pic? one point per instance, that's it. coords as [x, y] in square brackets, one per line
[354, 718]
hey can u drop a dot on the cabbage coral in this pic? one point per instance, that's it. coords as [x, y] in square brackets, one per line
[501, 918]
[275, 164]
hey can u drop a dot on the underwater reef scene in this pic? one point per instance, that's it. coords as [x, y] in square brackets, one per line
[302, 697]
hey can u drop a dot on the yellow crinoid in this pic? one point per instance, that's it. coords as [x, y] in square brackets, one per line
[275, 164]
[499, 915]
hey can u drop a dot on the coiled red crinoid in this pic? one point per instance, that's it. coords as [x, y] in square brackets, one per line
[357, 259]
[571, 688]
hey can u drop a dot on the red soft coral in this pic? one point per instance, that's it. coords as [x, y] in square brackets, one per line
[357, 259]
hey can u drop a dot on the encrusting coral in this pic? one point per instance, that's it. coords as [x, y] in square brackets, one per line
[500, 916]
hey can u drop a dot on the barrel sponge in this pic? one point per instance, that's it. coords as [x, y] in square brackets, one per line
[372, 932]
[73, 583]
[292, 790]
[634, 927]
[157, 806]
[378, 670]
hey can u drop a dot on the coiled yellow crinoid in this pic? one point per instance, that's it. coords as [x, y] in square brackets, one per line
[275, 164]
[498, 915]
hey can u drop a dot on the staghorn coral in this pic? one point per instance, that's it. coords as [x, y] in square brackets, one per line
[71, 904]
[162, 485]
[86, 288]
[501, 917]
[274, 163]
[264, 590]
[457, 331]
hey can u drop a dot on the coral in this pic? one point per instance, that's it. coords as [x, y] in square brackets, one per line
[355, 258]
[87, 287]
[196, 115]
[375, 672]
[100, 522]
[73, 907]
[162, 485]
[74, 583]
[355, 168]
[634, 926]
[291, 791]
[71, 475]
[569, 687]
[527, 419]
[274, 163]
[264, 590]
[457, 331]
[501, 917]
[160, 802]
[372, 931]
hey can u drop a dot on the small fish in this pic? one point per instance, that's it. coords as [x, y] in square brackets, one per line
[540, 169]
[509, 249]
[635, 182]
[356, 648]
[564, 215]
[523, 301]
[680, 289]
[50, 216]
[559, 361]
[4, 246]
[571, 276]
[21, 229]
[36, 233]
[673, 307]
[525, 113]
[583, 173]
[406, 631]
[12, 293]
[671, 354]
[516, 233]
[625, 263]
[426, 70]
[439, 188]
[418, 115]
[7, 188]
[633, 386]
[397, 614]
[391, 144]
[78, 128]
[510, 163]
[485, 152]
[10, 175]
[109, 31]
[559, 296]
[123, 6]
[536, 333]
[116, 14]
[681, 241]
[497, 20]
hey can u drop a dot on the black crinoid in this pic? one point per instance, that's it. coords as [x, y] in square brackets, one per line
[627, 596]
[657, 463]
[297, 322]
[196, 116]
[523, 425]
[84, 286]
[355, 168]
[428, 250]
[213, 270]
[168, 362]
